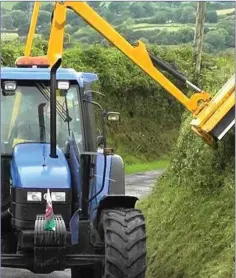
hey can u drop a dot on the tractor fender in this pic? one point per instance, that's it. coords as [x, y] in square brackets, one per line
[117, 176]
[115, 201]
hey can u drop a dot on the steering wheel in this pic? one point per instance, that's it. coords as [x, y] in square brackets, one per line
[26, 131]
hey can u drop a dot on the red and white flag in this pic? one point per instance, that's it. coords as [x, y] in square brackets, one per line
[50, 223]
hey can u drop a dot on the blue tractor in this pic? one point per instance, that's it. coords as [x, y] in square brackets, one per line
[49, 141]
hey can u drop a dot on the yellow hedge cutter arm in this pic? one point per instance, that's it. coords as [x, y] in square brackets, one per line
[212, 118]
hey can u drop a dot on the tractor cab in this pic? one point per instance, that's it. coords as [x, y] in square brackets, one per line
[26, 112]
[27, 167]
[25, 104]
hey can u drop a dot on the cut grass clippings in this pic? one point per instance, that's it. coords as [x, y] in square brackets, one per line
[148, 166]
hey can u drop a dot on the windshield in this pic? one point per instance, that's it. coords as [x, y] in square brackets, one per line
[25, 116]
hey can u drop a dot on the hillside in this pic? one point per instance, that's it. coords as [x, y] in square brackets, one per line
[161, 23]
[190, 212]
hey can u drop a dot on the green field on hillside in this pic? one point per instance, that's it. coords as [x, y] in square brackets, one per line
[9, 36]
[225, 11]
[168, 26]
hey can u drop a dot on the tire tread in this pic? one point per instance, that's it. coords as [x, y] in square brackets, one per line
[125, 243]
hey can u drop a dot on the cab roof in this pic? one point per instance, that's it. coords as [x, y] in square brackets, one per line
[10, 73]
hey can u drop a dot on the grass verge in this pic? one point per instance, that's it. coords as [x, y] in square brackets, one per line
[148, 166]
[190, 212]
[190, 234]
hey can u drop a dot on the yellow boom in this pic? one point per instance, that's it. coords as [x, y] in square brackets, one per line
[212, 118]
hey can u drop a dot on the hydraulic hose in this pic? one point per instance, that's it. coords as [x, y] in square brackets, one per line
[158, 62]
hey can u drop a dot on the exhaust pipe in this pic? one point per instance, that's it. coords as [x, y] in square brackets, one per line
[53, 109]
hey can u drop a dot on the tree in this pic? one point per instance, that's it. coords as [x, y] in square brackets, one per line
[137, 10]
[19, 18]
[68, 29]
[150, 8]
[228, 25]
[7, 22]
[187, 15]
[177, 15]
[198, 37]
[190, 4]
[185, 35]
[206, 30]
[5, 11]
[22, 6]
[77, 23]
[22, 30]
[160, 17]
[217, 38]
[211, 17]
[108, 15]
[45, 30]
[229, 41]
[71, 15]
[44, 17]
[95, 4]
[118, 7]
[48, 7]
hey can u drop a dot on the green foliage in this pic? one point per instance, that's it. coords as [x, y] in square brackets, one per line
[47, 7]
[211, 17]
[23, 6]
[190, 213]
[150, 117]
[44, 17]
[188, 15]
[127, 15]
[19, 18]
[137, 9]
[228, 25]
[7, 22]
[217, 38]
[117, 8]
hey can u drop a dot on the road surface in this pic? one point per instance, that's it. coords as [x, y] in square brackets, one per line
[136, 184]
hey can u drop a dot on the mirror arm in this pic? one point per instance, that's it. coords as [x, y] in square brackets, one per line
[103, 115]
[94, 103]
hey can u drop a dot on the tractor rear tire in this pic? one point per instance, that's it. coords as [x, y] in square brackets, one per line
[124, 236]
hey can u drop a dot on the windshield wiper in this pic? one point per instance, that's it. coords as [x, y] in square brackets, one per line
[64, 114]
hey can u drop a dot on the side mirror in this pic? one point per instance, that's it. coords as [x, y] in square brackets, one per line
[113, 116]
[100, 140]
